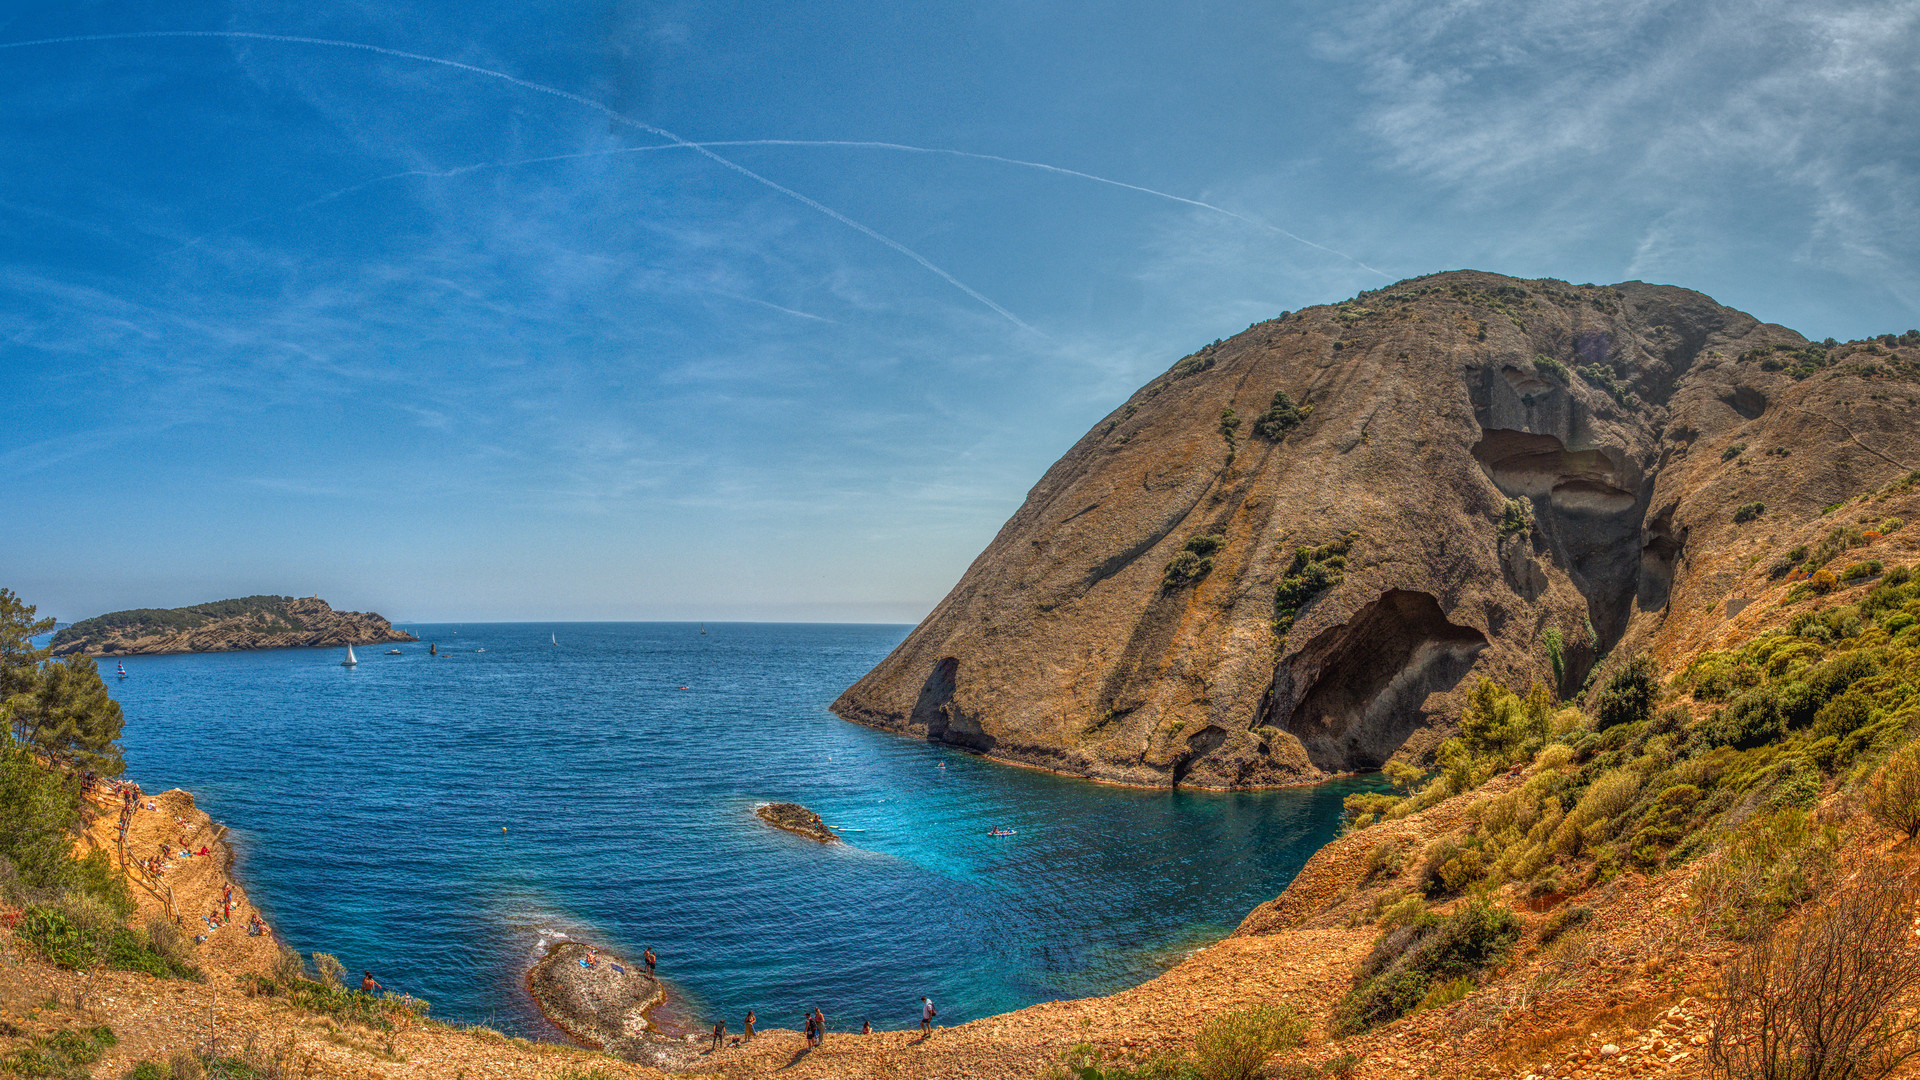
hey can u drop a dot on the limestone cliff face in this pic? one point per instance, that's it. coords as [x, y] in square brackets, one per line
[1629, 422]
[254, 622]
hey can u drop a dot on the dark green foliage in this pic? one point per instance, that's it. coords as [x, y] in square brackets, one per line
[19, 660]
[1230, 430]
[1746, 512]
[68, 715]
[1860, 571]
[39, 811]
[1515, 517]
[1628, 696]
[1194, 562]
[1556, 644]
[1281, 417]
[68, 943]
[63, 1055]
[1407, 963]
[1733, 451]
[1552, 368]
[1313, 571]
[1798, 361]
[164, 620]
[1604, 378]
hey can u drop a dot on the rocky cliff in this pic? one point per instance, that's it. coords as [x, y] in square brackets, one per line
[1294, 552]
[253, 622]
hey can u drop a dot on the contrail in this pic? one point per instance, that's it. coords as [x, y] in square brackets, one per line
[1047, 168]
[247, 35]
[865, 145]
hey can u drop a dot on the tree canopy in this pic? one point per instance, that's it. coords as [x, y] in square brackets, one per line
[58, 708]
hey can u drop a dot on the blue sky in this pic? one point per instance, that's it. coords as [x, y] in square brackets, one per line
[486, 339]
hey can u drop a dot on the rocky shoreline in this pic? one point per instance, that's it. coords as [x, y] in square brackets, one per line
[601, 1002]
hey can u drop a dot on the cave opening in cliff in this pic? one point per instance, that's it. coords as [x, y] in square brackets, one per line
[1358, 690]
[1587, 512]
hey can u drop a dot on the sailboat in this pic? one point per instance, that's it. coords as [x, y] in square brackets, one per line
[351, 659]
[703, 628]
[120, 670]
[553, 639]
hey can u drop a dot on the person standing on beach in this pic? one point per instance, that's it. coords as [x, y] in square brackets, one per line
[819, 1026]
[927, 1013]
[650, 960]
[367, 985]
[809, 1029]
[719, 1036]
[749, 1024]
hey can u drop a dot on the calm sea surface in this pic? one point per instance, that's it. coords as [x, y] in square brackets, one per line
[439, 820]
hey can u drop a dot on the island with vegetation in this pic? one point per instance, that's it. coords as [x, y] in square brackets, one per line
[248, 622]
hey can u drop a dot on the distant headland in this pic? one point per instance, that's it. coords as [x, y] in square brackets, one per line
[249, 622]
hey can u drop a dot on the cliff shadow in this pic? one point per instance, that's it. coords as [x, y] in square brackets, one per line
[1355, 693]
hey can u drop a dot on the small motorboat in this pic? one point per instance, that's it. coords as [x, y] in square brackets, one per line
[1001, 832]
[479, 650]
[393, 652]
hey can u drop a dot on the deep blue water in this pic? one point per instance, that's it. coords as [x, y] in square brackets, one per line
[439, 820]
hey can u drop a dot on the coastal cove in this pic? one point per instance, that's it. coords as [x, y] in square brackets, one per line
[441, 820]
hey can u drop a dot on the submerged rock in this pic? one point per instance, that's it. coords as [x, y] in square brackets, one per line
[797, 819]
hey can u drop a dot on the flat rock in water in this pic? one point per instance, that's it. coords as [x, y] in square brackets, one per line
[797, 819]
[603, 1006]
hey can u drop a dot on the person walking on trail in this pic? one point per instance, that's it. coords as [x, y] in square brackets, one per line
[927, 1013]
[650, 958]
[749, 1024]
[367, 984]
[719, 1036]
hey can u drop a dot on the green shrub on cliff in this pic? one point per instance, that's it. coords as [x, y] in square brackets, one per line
[1313, 571]
[1282, 416]
[1194, 561]
[1407, 964]
[60, 1055]
[1516, 516]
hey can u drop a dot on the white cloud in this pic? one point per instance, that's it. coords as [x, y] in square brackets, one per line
[1682, 115]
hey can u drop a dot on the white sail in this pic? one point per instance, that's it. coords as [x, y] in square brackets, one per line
[351, 659]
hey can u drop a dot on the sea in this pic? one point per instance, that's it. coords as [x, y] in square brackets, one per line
[442, 820]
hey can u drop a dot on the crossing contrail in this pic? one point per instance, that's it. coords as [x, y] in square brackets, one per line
[867, 145]
[554, 91]
[848, 143]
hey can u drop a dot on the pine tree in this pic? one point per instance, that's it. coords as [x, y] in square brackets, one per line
[68, 715]
[19, 660]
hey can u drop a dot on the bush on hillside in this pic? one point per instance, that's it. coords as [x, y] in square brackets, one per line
[1282, 416]
[1628, 697]
[1838, 996]
[1313, 571]
[1406, 964]
[1893, 795]
[1236, 1045]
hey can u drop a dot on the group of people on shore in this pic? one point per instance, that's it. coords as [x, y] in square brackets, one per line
[814, 1025]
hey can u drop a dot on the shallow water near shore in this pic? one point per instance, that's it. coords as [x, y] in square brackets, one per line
[441, 819]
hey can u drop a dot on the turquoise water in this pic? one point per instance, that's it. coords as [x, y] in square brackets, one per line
[439, 820]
